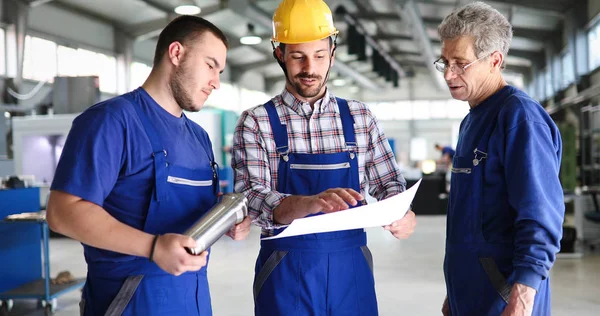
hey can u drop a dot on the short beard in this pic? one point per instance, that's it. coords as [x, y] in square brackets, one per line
[309, 92]
[177, 85]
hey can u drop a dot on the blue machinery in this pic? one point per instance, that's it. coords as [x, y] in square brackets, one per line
[24, 254]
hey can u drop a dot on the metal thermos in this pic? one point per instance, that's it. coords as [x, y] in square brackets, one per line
[231, 210]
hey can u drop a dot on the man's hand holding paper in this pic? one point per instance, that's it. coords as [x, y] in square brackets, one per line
[393, 213]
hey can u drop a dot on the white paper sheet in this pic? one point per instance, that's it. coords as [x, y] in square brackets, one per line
[377, 214]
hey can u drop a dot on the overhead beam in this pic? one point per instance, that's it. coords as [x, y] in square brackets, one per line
[254, 13]
[391, 37]
[35, 3]
[256, 65]
[150, 29]
[159, 6]
[534, 57]
[531, 34]
[378, 16]
[410, 12]
[397, 52]
[375, 44]
[554, 8]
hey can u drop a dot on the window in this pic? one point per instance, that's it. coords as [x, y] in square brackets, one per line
[82, 62]
[594, 46]
[389, 111]
[2, 54]
[226, 97]
[107, 73]
[139, 73]
[568, 70]
[39, 61]
[540, 86]
[438, 109]
[252, 98]
[548, 84]
[457, 109]
[67, 61]
[421, 110]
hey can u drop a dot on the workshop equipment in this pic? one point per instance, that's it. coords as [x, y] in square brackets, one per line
[231, 210]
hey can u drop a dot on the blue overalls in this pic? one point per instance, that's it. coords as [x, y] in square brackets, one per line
[127, 285]
[476, 271]
[316, 274]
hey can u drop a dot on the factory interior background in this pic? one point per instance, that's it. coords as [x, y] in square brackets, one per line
[58, 57]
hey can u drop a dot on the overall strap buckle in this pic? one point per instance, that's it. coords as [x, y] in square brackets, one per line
[351, 147]
[283, 151]
[476, 160]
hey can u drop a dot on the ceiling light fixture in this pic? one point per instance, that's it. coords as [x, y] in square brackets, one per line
[353, 89]
[250, 38]
[187, 10]
[338, 82]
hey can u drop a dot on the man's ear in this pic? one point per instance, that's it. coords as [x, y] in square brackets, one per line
[175, 52]
[497, 60]
[278, 54]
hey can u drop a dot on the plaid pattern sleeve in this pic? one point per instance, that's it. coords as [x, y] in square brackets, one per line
[319, 131]
[252, 172]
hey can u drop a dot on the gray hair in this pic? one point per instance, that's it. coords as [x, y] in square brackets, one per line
[491, 30]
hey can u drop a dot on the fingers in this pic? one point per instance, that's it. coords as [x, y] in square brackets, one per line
[323, 205]
[334, 200]
[339, 199]
[241, 230]
[192, 263]
[346, 196]
[403, 227]
[357, 196]
[187, 241]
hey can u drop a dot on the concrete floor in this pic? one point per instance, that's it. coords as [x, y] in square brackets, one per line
[408, 275]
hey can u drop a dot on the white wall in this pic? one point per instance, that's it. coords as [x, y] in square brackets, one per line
[441, 131]
[593, 8]
[144, 51]
[51, 20]
[38, 158]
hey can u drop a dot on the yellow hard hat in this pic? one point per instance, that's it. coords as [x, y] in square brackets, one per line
[301, 21]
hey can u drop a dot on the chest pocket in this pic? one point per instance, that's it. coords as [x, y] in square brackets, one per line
[462, 165]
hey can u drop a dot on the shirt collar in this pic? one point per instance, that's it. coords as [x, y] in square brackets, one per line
[322, 105]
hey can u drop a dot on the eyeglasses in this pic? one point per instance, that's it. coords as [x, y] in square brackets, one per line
[458, 69]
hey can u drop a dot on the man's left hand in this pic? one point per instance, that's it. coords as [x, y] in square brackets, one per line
[403, 227]
[521, 301]
[241, 230]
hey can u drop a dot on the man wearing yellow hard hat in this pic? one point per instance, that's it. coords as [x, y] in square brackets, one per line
[305, 153]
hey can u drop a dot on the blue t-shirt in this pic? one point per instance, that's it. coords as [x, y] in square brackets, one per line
[522, 195]
[448, 150]
[107, 155]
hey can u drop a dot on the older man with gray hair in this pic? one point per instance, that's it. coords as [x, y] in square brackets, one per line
[506, 207]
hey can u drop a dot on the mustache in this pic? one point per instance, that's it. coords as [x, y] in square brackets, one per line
[306, 75]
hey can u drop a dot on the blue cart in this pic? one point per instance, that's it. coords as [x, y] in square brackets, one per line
[25, 259]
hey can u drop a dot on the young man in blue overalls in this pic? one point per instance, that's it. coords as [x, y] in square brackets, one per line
[135, 172]
[305, 153]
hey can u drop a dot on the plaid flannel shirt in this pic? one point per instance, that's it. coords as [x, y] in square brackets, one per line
[255, 160]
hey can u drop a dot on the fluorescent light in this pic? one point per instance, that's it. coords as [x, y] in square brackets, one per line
[428, 166]
[353, 89]
[187, 10]
[338, 82]
[7, 114]
[250, 40]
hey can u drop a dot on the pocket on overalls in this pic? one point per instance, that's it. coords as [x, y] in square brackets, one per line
[461, 212]
[368, 256]
[266, 270]
[82, 307]
[497, 279]
[120, 302]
